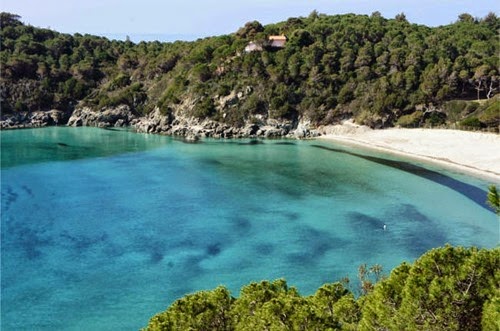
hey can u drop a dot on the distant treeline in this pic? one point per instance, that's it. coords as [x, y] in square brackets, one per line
[380, 71]
[449, 288]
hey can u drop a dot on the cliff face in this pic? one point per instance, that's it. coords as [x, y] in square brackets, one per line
[194, 128]
[178, 120]
[86, 116]
[155, 122]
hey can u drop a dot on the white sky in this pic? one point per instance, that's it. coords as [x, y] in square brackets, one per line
[200, 18]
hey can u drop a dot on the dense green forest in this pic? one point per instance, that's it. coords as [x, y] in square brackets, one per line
[381, 72]
[449, 288]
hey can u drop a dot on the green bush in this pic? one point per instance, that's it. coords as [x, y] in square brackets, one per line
[435, 119]
[285, 111]
[254, 105]
[411, 120]
[490, 116]
[454, 109]
[206, 310]
[120, 81]
[204, 108]
[471, 123]
[20, 106]
[201, 72]
[470, 107]
[446, 289]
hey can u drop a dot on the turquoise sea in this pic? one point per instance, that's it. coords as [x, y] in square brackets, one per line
[101, 229]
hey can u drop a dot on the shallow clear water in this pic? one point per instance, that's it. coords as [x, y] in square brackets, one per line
[102, 229]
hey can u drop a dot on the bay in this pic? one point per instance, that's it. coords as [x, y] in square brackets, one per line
[101, 229]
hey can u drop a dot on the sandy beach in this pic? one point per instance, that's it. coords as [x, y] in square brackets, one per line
[475, 153]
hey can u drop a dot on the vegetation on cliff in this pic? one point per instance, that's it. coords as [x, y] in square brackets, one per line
[449, 288]
[380, 71]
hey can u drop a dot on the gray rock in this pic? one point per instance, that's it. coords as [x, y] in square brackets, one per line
[299, 133]
[104, 118]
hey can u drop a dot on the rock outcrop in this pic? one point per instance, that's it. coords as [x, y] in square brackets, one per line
[193, 128]
[156, 122]
[118, 116]
[34, 119]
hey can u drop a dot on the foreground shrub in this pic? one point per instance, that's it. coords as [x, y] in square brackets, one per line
[449, 288]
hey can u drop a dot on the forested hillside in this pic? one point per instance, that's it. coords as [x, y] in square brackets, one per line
[381, 72]
[449, 288]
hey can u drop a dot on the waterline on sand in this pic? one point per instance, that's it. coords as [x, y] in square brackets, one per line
[474, 153]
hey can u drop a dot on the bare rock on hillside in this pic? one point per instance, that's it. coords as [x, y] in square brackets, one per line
[85, 116]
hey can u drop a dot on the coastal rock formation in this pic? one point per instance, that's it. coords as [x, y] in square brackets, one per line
[195, 128]
[156, 122]
[179, 121]
[117, 116]
[34, 119]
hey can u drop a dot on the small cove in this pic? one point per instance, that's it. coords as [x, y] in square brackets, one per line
[101, 229]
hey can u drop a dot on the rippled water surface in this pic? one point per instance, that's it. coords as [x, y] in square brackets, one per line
[101, 229]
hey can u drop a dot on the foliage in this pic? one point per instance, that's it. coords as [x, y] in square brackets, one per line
[491, 314]
[493, 199]
[489, 113]
[474, 114]
[411, 120]
[444, 290]
[204, 108]
[206, 310]
[449, 288]
[379, 71]
[471, 123]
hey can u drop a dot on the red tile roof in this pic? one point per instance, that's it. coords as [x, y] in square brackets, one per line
[277, 38]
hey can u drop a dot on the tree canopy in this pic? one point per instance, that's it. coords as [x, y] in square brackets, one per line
[380, 71]
[449, 288]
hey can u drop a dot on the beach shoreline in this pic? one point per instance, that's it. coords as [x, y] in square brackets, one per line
[472, 153]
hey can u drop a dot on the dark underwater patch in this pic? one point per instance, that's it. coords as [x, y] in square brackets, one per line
[210, 161]
[81, 243]
[422, 232]
[313, 245]
[147, 245]
[289, 143]
[241, 224]
[110, 128]
[283, 184]
[472, 192]
[191, 264]
[113, 251]
[156, 256]
[213, 249]
[27, 190]
[410, 212]
[9, 197]
[31, 242]
[363, 222]
[251, 143]
[264, 249]
[418, 242]
[291, 216]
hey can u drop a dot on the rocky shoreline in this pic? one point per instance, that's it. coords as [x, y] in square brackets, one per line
[36, 119]
[193, 128]
[188, 127]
